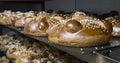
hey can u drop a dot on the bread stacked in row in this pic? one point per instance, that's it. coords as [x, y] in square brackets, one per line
[17, 19]
[28, 51]
[74, 29]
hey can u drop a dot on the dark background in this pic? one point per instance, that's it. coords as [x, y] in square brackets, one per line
[97, 6]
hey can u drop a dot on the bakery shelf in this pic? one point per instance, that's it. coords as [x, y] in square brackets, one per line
[86, 54]
[111, 54]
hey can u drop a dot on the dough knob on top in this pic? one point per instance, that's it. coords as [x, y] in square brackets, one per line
[73, 26]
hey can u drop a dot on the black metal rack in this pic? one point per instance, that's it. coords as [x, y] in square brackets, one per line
[86, 54]
[112, 54]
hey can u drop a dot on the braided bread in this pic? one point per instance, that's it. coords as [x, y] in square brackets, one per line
[85, 32]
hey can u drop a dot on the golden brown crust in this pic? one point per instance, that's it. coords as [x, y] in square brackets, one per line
[4, 41]
[79, 15]
[15, 52]
[92, 33]
[38, 25]
[81, 41]
[36, 28]
[116, 25]
[22, 18]
[11, 55]
[26, 51]
[73, 26]
[20, 22]
[6, 17]
[4, 60]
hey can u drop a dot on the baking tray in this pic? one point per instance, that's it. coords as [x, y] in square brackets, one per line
[83, 53]
[114, 41]
[112, 55]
